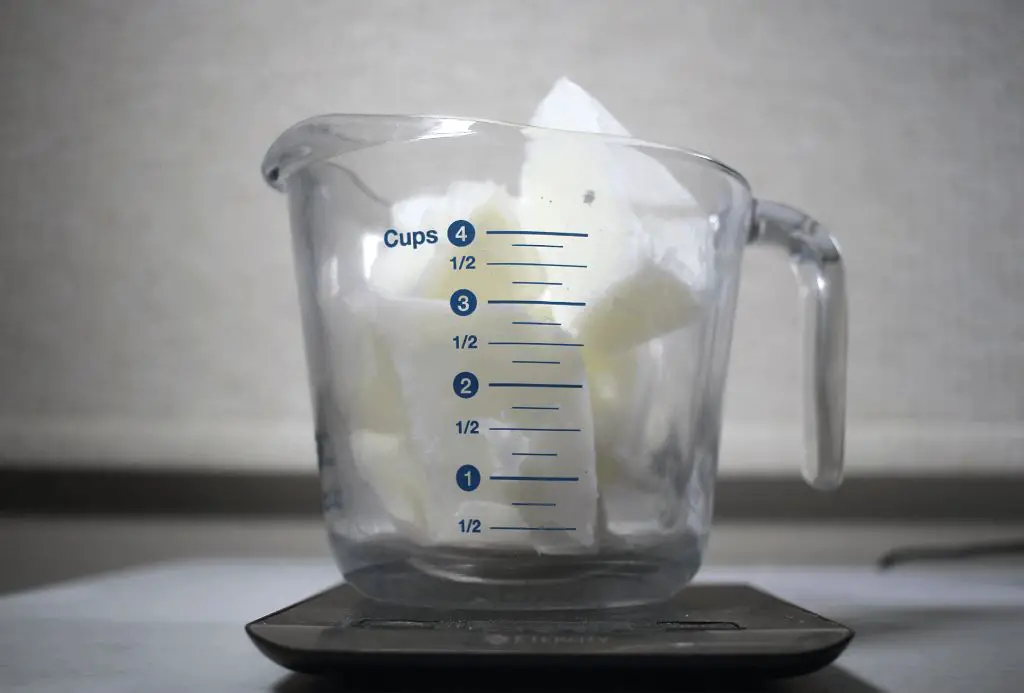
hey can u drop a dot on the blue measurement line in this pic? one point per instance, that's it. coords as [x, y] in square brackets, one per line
[535, 245]
[569, 386]
[554, 344]
[534, 478]
[535, 529]
[504, 232]
[525, 504]
[552, 430]
[534, 454]
[524, 322]
[541, 408]
[533, 264]
[540, 283]
[523, 302]
[543, 363]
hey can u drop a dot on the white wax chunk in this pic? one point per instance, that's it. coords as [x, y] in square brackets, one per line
[362, 374]
[627, 203]
[396, 374]
[634, 517]
[620, 392]
[427, 271]
[565, 189]
[647, 254]
[636, 309]
[567, 106]
[417, 336]
[633, 245]
[391, 470]
[644, 180]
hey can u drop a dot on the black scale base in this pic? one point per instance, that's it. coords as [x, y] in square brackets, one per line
[710, 631]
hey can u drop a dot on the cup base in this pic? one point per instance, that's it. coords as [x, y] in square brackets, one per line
[528, 582]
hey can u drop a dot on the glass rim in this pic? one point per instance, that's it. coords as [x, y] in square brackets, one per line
[292, 150]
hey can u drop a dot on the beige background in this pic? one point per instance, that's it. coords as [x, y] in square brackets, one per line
[147, 305]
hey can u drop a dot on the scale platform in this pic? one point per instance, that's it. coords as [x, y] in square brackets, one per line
[718, 631]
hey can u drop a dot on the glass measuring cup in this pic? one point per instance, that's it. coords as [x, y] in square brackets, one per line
[517, 342]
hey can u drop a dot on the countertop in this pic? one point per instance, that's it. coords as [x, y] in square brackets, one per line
[179, 627]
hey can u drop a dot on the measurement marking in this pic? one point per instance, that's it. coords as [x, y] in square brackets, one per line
[533, 264]
[540, 283]
[551, 363]
[552, 430]
[535, 245]
[534, 454]
[506, 232]
[569, 386]
[521, 302]
[553, 344]
[541, 408]
[534, 478]
[525, 322]
[535, 529]
[532, 344]
[524, 504]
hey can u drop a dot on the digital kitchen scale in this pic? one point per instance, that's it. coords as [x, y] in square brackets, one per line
[717, 631]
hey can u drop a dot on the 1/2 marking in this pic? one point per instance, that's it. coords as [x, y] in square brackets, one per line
[469, 427]
[461, 262]
[470, 526]
[466, 341]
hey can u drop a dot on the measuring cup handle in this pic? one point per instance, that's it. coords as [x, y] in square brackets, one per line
[818, 265]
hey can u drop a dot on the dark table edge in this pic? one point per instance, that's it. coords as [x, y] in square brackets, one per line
[53, 491]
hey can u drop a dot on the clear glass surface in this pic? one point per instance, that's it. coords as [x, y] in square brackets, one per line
[517, 342]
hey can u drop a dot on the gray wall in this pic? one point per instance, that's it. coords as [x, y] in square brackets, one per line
[147, 307]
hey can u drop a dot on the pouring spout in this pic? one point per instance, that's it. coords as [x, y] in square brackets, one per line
[327, 136]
